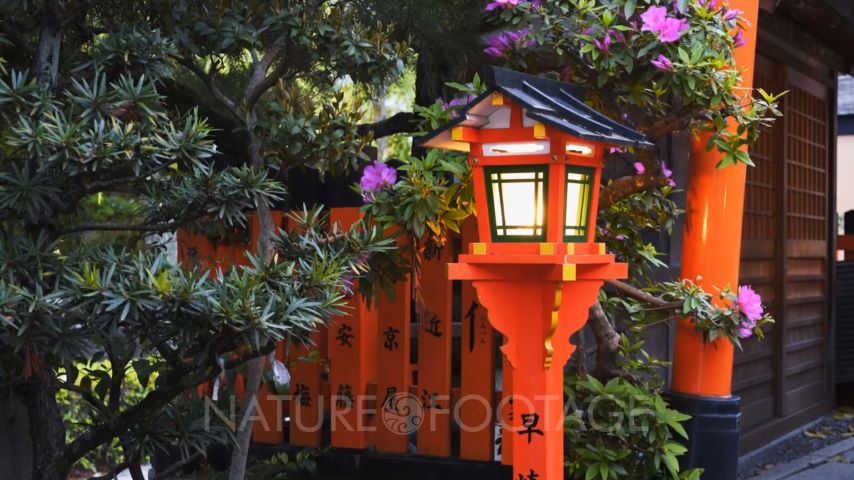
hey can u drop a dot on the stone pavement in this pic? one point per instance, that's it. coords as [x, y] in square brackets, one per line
[834, 462]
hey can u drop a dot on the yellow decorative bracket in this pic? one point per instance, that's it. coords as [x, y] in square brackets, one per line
[550, 349]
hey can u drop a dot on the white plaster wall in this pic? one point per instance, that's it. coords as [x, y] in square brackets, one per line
[845, 173]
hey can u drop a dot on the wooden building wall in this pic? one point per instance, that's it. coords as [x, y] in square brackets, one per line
[786, 379]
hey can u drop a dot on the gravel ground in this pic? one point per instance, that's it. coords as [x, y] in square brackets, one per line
[830, 429]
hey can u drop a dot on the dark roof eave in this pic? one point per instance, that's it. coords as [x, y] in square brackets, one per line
[553, 103]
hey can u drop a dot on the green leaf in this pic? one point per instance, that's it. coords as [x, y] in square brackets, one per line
[629, 8]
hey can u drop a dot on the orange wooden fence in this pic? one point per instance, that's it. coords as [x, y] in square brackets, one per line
[845, 247]
[382, 378]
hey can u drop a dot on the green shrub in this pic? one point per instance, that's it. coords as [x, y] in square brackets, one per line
[78, 414]
[622, 430]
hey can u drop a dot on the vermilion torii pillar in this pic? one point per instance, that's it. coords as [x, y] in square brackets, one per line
[702, 371]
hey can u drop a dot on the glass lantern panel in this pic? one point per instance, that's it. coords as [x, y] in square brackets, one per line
[579, 183]
[517, 203]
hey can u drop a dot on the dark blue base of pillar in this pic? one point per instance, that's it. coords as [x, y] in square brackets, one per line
[712, 434]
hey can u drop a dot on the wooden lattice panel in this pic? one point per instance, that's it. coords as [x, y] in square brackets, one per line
[806, 165]
[784, 380]
[760, 202]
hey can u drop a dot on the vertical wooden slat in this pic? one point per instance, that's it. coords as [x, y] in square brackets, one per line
[394, 374]
[477, 387]
[434, 354]
[306, 402]
[194, 250]
[306, 363]
[782, 153]
[352, 355]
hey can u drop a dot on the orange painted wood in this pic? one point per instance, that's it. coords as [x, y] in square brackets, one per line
[434, 355]
[224, 256]
[524, 311]
[268, 426]
[594, 200]
[309, 395]
[845, 243]
[394, 373]
[352, 354]
[307, 403]
[195, 250]
[481, 202]
[712, 240]
[506, 410]
[477, 386]
[557, 196]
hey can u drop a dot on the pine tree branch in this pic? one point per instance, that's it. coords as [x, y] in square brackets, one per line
[212, 87]
[403, 122]
[625, 186]
[119, 227]
[642, 296]
[87, 395]
[173, 383]
[260, 80]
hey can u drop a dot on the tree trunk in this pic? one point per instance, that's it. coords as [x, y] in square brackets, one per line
[607, 343]
[240, 455]
[237, 469]
[46, 428]
[50, 43]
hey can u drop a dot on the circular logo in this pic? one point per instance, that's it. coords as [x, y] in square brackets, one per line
[402, 413]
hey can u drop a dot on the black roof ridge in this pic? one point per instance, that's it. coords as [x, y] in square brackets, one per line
[558, 106]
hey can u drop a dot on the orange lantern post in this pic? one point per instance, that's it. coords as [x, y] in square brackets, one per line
[702, 371]
[536, 154]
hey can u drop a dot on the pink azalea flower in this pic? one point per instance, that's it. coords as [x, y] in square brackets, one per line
[375, 177]
[672, 29]
[500, 44]
[739, 40]
[668, 29]
[652, 19]
[605, 44]
[506, 4]
[666, 171]
[749, 304]
[566, 73]
[744, 331]
[662, 63]
[616, 149]
[456, 103]
[732, 14]
[639, 168]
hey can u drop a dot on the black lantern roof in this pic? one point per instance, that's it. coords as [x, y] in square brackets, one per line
[550, 102]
